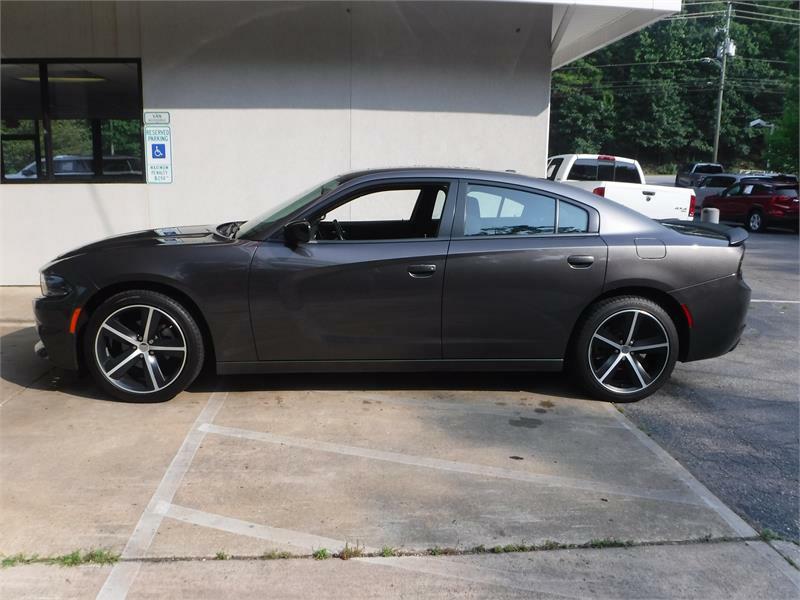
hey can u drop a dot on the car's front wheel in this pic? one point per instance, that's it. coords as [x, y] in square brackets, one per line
[143, 346]
[625, 349]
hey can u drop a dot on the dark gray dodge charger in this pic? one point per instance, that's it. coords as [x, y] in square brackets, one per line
[402, 270]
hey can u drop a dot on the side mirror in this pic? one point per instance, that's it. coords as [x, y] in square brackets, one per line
[297, 232]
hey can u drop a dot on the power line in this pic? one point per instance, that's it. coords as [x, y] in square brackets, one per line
[740, 11]
[793, 23]
[766, 6]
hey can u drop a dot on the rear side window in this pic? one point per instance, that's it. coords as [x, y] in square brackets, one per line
[492, 210]
[761, 190]
[572, 219]
[626, 173]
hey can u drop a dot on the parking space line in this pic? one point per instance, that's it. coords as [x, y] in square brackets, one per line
[123, 574]
[776, 301]
[471, 408]
[304, 541]
[733, 520]
[456, 467]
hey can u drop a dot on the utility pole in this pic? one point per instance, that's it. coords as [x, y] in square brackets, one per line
[726, 43]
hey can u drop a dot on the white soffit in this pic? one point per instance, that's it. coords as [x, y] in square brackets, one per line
[582, 26]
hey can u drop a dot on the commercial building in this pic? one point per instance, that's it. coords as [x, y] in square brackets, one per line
[119, 116]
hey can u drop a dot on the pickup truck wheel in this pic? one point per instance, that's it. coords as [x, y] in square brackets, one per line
[755, 221]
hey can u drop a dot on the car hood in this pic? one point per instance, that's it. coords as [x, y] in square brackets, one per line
[193, 234]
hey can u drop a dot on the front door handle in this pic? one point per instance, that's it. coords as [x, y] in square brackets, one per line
[421, 270]
[580, 261]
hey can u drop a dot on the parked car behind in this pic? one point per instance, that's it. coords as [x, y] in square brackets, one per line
[70, 165]
[759, 203]
[690, 175]
[713, 185]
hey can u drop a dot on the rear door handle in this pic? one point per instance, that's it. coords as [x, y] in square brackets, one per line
[421, 270]
[580, 261]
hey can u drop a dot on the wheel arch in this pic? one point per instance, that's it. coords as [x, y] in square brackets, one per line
[104, 293]
[660, 297]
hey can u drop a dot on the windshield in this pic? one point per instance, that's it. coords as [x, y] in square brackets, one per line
[254, 229]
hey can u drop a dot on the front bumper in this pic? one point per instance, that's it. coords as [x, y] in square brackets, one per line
[719, 311]
[52, 324]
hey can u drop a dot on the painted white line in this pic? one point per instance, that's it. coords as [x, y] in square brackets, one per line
[17, 323]
[733, 520]
[776, 559]
[456, 467]
[479, 409]
[304, 541]
[776, 301]
[123, 574]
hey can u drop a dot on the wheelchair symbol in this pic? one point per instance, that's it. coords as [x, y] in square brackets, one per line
[159, 150]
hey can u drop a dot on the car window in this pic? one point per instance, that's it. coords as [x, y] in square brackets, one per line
[626, 173]
[708, 169]
[492, 210]
[407, 211]
[760, 189]
[552, 168]
[789, 192]
[718, 182]
[572, 219]
[734, 190]
[747, 189]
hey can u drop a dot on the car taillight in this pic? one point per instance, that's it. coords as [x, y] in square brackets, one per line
[600, 191]
[692, 203]
[606, 157]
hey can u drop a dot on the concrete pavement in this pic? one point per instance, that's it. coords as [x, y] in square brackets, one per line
[419, 464]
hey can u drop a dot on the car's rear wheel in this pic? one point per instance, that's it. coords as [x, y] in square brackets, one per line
[143, 346]
[625, 349]
[755, 221]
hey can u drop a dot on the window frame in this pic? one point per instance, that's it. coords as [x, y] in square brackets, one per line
[459, 223]
[44, 100]
[351, 192]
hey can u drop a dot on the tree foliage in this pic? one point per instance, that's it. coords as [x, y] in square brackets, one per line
[652, 97]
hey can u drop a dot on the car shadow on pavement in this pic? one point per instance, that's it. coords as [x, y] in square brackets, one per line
[20, 366]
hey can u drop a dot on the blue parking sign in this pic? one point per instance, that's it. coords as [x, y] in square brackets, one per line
[159, 150]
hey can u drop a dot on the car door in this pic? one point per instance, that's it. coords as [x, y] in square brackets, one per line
[522, 265]
[373, 295]
[726, 202]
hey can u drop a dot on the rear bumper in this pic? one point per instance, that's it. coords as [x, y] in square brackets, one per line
[719, 311]
[52, 324]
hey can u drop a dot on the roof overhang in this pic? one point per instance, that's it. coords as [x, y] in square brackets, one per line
[582, 26]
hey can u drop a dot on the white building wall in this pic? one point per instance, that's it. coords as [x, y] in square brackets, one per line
[267, 99]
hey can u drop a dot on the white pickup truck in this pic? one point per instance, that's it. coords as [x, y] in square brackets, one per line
[621, 180]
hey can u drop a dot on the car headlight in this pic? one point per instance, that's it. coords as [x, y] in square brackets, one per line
[53, 285]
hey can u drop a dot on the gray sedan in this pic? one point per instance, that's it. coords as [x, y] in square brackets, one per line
[402, 270]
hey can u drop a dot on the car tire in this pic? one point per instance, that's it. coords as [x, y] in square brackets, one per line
[132, 366]
[755, 222]
[618, 372]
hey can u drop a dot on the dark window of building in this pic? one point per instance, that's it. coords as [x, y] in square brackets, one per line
[68, 121]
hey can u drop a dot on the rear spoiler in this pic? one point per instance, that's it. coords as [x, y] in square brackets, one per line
[736, 236]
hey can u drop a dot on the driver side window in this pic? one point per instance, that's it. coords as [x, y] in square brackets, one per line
[404, 211]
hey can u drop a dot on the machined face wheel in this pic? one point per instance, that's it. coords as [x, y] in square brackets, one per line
[755, 221]
[628, 351]
[140, 349]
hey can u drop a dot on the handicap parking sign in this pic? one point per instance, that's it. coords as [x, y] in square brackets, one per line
[159, 156]
[159, 150]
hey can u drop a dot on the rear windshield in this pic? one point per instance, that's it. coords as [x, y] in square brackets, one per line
[591, 169]
[708, 169]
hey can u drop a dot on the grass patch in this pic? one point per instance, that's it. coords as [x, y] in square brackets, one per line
[222, 555]
[768, 535]
[275, 555]
[437, 551]
[321, 554]
[388, 551]
[608, 543]
[349, 551]
[73, 559]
